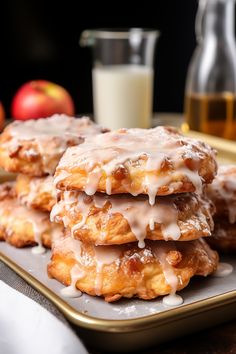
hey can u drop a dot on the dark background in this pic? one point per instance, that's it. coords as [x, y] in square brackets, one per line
[39, 40]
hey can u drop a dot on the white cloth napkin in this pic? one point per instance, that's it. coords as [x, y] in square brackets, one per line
[26, 327]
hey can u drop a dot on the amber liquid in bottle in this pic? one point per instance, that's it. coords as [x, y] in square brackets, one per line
[212, 114]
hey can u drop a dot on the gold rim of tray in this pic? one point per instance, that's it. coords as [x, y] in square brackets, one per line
[122, 326]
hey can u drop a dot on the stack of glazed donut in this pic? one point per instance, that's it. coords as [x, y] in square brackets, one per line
[32, 149]
[132, 204]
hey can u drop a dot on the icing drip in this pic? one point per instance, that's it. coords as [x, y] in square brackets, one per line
[82, 204]
[139, 214]
[153, 183]
[223, 270]
[39, 227]
[151, 224]
[38, 249]
[12, 211]
[160, 251]
[137, 211]
[71, 290]
[68, 244]
[92, 182]
[151, 149]
[194, 177]
[56, 210]
[104, 257]
[108, 186]
[172, 300]
[60, 177]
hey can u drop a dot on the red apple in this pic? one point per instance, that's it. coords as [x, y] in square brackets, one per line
[2, 116]
[39, 99]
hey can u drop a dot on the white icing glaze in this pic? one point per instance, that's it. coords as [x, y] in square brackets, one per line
[92, 182]
[108, 186]
[193, 177]
[71, 290]
[104, 256]
[160, 251]
[223, 270]
[139, 214]
[153, 183]
[73, 197]
[111, 151]
[68, 244]
[114, 255]
[172, 300]
[57, 125]
[137, 211]
[151, 224]
[56, 209]
[52, 136]
[60, 177]
[39, 249]
[223, 188]
[39, 227]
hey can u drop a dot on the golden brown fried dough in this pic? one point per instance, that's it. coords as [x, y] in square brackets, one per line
[222, 192]
[224, 236]
[127, 271]
[21, 226]
[34, 147]
[7, 190]
[119, 219]
[157, 161]
[36, 192]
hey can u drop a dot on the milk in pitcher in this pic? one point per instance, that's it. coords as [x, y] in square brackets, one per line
[122, 96]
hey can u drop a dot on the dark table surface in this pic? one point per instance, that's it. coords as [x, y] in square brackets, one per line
[217, 340]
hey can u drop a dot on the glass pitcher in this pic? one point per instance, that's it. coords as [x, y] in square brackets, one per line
[210, 97]
[122, 76]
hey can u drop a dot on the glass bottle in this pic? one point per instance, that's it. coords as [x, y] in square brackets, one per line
[210, 97]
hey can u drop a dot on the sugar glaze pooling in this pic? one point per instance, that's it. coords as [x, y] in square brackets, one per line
[71, 290]
[223, 270]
